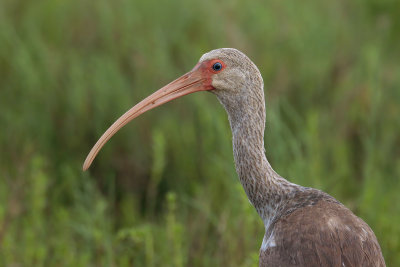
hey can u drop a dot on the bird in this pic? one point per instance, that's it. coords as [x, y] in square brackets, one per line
[303, 226]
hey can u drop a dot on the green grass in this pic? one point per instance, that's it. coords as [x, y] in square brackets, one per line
[164, 191]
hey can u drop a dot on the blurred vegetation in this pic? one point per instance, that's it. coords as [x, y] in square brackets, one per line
[164, 191]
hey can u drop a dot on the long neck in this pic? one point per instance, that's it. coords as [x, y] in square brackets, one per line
[264, 187]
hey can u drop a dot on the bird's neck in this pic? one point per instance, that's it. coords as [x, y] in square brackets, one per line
[265, 189]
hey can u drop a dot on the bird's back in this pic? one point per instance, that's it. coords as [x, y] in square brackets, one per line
[319, 232]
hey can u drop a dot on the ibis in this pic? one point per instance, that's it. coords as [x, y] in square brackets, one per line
[303, 226]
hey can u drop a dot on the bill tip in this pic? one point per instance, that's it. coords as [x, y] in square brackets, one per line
[85, 166]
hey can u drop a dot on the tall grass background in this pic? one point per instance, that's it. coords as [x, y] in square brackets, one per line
[163, 191]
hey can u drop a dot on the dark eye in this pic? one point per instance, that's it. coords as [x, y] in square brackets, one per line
[217, 66]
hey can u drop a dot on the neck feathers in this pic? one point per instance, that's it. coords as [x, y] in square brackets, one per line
[264, 187]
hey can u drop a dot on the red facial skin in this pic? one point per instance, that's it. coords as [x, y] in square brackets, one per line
[207, 71]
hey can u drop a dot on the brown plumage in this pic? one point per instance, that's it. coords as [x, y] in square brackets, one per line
[303, 226]
[321, 234]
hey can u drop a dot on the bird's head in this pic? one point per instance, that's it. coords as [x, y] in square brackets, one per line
[231, 71]
[226, 72]
[235, 79]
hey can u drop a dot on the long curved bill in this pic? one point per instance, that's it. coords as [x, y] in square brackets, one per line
[191, 82]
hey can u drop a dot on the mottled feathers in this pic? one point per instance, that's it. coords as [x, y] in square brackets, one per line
[324, 233]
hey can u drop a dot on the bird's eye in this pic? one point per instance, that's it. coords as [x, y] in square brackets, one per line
[217, 66]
